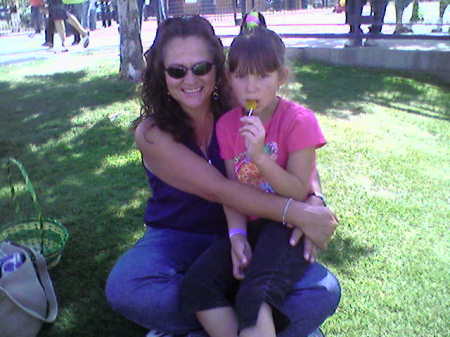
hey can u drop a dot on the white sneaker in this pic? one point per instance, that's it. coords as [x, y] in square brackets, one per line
[85, 40]
[157, 333]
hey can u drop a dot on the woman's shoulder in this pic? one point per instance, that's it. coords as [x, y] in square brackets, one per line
[147, 131]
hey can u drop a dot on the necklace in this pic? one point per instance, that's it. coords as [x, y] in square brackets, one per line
[204, 141]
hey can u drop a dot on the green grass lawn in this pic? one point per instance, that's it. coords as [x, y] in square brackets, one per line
[385, 171]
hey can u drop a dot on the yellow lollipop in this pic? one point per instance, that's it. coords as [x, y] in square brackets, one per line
[250, 105]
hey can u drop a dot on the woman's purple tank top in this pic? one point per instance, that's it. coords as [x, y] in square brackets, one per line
[172, 208]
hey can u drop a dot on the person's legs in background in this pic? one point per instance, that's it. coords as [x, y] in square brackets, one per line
[85, 14]
[49, 32]
[36, 21]
[60, 28]
[379, 11]
[443, 4]
[353, 8]
[92, 16]
[105, 13]
[400, 6]
[15, 22]
[77, 11]
[72, 20]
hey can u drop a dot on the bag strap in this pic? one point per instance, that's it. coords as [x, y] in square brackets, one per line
[52, 309]
[46, 283]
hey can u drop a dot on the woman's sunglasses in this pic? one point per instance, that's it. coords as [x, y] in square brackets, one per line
[198, 69]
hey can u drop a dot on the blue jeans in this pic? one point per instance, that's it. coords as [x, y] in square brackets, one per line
[36, 18]
[144, 285]
[85, 14]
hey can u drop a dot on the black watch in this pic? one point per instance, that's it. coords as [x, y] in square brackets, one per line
[320, 196]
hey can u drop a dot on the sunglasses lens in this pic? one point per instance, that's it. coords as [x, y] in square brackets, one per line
[202, 68]
[177, 72]
[198, 69]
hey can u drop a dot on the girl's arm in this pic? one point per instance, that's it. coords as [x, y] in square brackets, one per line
[295, 180]
[178, 166]
[237, 222]
[241, 252]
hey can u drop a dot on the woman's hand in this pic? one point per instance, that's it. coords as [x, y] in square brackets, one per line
[318, 223]
[241, 254]
[254, 135]
[310, 250]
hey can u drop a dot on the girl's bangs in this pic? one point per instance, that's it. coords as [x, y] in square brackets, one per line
[251, 57]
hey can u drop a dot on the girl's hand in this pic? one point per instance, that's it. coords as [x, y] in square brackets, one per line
[309, 248]
[254, 136]
[241, 254]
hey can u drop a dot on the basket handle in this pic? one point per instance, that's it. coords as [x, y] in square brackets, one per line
[30, 189]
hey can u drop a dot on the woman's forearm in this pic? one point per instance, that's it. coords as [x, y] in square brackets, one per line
[316, 222]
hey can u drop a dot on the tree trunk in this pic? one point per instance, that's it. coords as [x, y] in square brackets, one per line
[131, 59]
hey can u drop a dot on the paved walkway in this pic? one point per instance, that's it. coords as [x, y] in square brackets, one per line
[16, 48]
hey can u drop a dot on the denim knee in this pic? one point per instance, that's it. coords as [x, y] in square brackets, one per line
[333, 293]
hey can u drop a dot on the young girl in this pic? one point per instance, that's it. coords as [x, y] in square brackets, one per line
[270, 143]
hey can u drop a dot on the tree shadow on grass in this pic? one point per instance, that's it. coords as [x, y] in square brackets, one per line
[100, 203]
[45, 104]
[102, 207]
[345, 91]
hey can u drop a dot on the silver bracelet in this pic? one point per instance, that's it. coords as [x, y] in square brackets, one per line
[286, 209]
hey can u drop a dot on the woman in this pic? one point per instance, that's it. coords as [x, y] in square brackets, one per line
[184, 92]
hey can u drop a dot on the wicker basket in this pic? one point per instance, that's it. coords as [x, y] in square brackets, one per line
[44, 235]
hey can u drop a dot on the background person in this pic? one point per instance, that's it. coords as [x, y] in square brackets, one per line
[354, 8]
[182, 99]
[15, 17]
[105, 12]
[58, 13]
[49, 27]
[75, 7]
[36, 15]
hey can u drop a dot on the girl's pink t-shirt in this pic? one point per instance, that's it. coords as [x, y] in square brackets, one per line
[291, 128]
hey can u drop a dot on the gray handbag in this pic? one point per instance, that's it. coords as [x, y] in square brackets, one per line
[27, 297]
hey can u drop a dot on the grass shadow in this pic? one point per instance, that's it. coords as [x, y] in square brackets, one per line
[345, 91]
[46, 104]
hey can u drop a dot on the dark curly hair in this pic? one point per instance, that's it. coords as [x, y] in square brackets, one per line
[164, 111]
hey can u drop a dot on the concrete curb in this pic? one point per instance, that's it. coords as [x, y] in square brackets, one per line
[436, 63]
